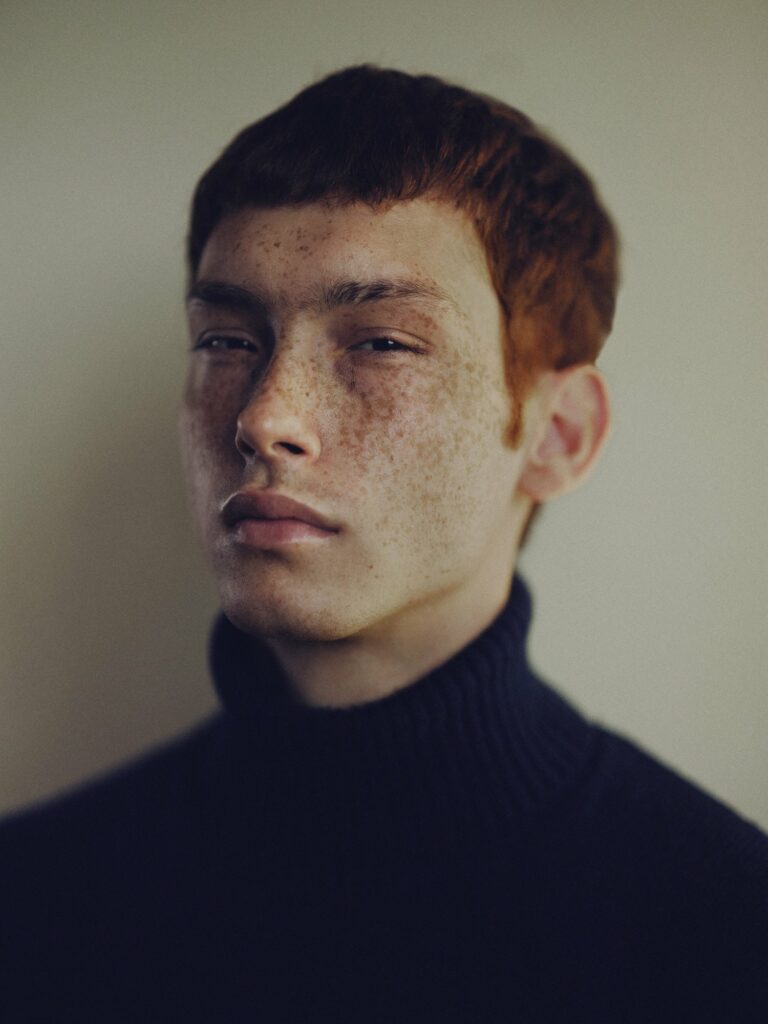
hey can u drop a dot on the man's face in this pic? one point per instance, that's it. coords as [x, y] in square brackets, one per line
[399, 443]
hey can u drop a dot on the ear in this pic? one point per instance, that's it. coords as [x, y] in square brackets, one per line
[569, 432]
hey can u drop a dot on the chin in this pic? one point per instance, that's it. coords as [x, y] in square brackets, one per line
[320, 619]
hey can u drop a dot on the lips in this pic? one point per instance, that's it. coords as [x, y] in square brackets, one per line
[270, 505]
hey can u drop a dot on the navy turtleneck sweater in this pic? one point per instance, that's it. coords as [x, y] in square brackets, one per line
[468, 849]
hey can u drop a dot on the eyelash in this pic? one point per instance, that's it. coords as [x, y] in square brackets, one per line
[233, 343]
[394, 341]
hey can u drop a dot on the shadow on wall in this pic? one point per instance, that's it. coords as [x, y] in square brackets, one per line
[107, 606]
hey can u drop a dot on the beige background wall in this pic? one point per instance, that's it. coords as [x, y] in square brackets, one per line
[651, 585]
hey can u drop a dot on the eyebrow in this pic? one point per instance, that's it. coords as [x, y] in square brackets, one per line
[328, 297]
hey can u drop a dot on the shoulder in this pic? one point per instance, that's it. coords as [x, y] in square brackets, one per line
[635, 826]
[692, 869]
[666, 831]
[94, 878]
[648, 797]
[660, 881]
[105, 814]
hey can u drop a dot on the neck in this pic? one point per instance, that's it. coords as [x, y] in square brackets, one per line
[399, 649]
[481, 725]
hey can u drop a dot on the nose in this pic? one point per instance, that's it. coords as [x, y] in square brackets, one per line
[278, 422]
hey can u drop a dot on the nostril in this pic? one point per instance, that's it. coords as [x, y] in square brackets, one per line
[268, 433]
[246, 450]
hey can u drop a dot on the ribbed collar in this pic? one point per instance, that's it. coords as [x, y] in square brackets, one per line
[480, 733]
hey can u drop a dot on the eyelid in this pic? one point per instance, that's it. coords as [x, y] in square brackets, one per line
[404, 346]
[205, 340]
[406, 340]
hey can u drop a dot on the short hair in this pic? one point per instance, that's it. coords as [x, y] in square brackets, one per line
[377, 135]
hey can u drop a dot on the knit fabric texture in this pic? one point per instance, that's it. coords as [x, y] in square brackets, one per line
[469, 849]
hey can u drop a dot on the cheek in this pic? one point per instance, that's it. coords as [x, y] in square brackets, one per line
[452, 452]
[414, 446]
[208, 422]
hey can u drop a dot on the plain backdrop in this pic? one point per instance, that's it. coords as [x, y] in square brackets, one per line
[650, 584]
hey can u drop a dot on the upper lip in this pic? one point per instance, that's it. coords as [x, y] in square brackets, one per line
[270, 505]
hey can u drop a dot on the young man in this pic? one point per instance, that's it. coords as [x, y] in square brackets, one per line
[397, 293]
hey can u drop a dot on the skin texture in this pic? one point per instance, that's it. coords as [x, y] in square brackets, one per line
[402, 450]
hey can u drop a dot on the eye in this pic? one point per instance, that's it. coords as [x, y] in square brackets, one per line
[224, 343]
[387, 342]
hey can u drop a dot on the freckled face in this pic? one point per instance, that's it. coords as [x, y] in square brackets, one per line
[383, 409]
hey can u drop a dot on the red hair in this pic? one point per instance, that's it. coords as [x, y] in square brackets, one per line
[375, 135]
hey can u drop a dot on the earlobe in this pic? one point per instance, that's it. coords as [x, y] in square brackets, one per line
[571, 431]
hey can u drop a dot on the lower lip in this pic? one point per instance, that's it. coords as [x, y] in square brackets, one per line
[263, 533]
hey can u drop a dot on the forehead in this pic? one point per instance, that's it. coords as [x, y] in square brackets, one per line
[292, 252]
